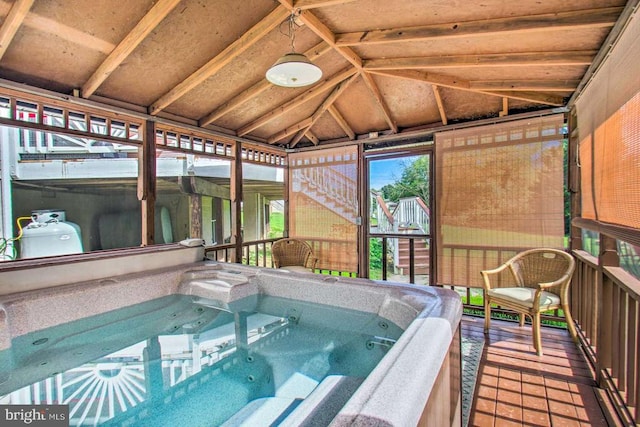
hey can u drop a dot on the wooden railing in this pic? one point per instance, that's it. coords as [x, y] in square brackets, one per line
[605, 302]
[258, 253]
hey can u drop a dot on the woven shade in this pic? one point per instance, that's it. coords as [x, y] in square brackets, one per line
[323, 205]
[608, 113]
[500, 190]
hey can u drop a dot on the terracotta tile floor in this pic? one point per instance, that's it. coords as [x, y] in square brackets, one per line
[515, 387]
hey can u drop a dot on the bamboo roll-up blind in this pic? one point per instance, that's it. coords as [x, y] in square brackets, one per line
[499, 189]
[323, 205]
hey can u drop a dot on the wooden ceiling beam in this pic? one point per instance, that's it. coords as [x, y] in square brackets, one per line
[588, 18]
[312, 137]
[461, 84]
[142, 29]
[339, 118]
[255, 90]
[244, 42]
[328, 102]
[375, 91]
[290, 130]
[583, 57]
[313, 4]
[298, 101]
[529, 85]
[436, 94]
[12, 22]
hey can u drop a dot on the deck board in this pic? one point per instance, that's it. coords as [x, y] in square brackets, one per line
[516, 387]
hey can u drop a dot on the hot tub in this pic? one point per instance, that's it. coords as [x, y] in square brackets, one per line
[96, 327]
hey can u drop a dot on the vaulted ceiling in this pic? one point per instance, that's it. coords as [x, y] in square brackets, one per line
[389, 66]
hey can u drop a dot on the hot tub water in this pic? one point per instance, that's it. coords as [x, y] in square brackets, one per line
[181, 360]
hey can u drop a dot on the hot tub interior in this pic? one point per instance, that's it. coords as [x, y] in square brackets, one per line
[206, 345]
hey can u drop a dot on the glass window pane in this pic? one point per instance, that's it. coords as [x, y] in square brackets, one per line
[193, 198]
[65, 194]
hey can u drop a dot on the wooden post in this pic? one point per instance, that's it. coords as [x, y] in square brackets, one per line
[362, 222]
[575, 233]
[236, 204]
[147, 182]
[195, 223]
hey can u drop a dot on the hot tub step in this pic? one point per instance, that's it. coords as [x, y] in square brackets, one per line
[266, 411]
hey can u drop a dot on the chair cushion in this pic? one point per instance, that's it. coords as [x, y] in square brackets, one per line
[297, 268]
[524, 296]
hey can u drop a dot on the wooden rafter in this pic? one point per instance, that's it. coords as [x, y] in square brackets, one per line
[368, 79]
[583, 57]
[314, 139]
[302, 125]
[296, 102]
[589, 18]
[142, 29]
[328, 102]
[529, 85]
[306, 123]
[248, 39]
[337, 116]
[12, 22]
[255, 90]
[537, 97]
[313, 4]
[322, 31]
[436, 94]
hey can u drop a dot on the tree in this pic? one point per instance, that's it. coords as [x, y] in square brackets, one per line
[413, 182]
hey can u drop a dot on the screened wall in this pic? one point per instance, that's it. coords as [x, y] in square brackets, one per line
[499, 189]
[323, 205]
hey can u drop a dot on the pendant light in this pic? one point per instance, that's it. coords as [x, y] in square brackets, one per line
[293, 69]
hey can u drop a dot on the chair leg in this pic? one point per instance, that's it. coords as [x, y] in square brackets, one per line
[537, 339]
[487, 314]
[570, 325]
[521, 319]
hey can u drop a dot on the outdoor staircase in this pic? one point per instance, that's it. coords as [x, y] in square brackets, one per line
[330, 189]
[421, 257]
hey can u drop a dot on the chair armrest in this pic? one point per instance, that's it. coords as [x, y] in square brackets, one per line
[312, 262]
[486, 275]
[558, 282]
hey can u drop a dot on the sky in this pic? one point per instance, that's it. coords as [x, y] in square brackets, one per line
[383, 172]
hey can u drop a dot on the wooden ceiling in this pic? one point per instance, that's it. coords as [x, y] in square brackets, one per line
[388, 66]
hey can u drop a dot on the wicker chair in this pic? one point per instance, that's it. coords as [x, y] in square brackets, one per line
[542, 278]
[293, 255]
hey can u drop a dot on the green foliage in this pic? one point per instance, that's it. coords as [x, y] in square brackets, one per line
[413, 182]
[276, 225]
[375, 259]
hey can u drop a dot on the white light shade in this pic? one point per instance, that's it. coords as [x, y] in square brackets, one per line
[293, 70]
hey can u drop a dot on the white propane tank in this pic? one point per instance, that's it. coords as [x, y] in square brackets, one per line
[48, 234]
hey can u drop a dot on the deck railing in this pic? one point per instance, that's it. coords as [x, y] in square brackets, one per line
[606, 304]
[258, 253]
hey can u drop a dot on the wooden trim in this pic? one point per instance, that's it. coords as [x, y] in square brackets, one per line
[589, 18]
[427, 77]
[12, 22]
[626, 234]
[248, 39]
[142, 29]
[315, 91]
[519, 59]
